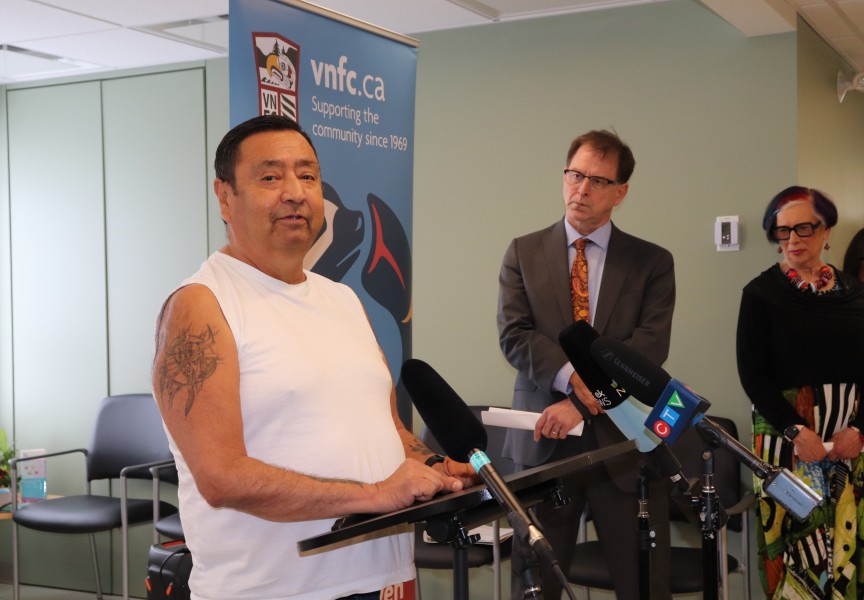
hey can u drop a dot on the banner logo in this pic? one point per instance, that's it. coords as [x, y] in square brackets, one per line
[277, 61]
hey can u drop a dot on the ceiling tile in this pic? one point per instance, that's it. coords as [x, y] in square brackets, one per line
[121, 48]
[826, 21]
[407, 16]
[143, 12]
[214, 33]
[802, 3]
[851, 49]
[23, 20]
[755, 17]
[17, 66]
[133, 33]
[854, 11]
[521, 8]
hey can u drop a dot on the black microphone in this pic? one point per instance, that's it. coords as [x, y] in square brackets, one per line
[576, 342]
[463, 437]
[629, 418]
[446, 415]
[677, 407]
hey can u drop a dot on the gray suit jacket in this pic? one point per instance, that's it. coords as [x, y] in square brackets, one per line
[637, 296]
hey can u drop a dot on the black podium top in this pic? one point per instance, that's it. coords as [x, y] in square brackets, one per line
[475, 504]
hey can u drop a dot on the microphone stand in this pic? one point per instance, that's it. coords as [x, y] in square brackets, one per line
[452, 527]
[706, 511]
[713, 517]
[782, 485]
[779, 483]
[646, 541]
[523, 526]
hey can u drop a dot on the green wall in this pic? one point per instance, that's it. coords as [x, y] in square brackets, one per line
[830, 136]
[709, 114]
[714, 120]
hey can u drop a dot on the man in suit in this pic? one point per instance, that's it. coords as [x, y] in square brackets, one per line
[630, 297]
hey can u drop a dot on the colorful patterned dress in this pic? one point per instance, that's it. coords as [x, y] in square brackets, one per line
[817, 558]
[801, 361]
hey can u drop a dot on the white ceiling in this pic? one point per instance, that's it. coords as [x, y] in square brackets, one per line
[42, 39]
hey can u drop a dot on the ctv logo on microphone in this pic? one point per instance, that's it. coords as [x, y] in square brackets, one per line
[676, 409]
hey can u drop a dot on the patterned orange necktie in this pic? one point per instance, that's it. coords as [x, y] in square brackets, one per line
[579, 283]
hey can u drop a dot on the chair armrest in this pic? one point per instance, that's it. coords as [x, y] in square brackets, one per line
[13, 469]
[154, 470]
[747, 500]
[13, 462]
[125, 472]
[154, 473]
[124, 480]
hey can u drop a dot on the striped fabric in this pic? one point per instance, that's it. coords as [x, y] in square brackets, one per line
[822, 557]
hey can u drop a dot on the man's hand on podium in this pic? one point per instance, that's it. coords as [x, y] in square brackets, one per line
[462, 471]
[411, 482]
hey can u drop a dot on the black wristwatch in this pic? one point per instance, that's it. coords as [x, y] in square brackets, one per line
[791, 432]
[434, 459]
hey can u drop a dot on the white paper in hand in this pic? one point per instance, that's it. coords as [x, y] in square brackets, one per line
[518, 419]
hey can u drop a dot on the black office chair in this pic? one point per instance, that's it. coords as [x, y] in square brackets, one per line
[171, 527]
[589, 569]
[168, 525]
[440, 556]
[128, 438]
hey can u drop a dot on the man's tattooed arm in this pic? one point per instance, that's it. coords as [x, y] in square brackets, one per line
[416, 446]
[187, 362]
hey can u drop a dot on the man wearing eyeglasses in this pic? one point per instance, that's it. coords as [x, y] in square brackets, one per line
[629, 296]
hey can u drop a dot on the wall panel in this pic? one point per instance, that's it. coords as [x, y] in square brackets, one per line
[58, 257]
[58, 291]
[156, 208]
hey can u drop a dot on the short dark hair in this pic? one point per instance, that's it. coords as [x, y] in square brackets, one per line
[226, 154]
[854, 255]
[822, 206]
[607, 143]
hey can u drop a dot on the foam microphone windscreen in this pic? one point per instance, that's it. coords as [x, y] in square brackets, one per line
[576, 342]
[448, 418]
[628, 367]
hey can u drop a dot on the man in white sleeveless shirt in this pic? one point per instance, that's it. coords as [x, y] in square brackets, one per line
[279, 407]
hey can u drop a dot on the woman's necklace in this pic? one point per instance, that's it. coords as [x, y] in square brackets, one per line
[826, 276]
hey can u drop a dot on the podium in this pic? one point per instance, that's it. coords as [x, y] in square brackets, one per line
[449, 517]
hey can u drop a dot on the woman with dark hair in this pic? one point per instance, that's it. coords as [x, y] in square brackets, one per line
[800, 347]
[853, 261]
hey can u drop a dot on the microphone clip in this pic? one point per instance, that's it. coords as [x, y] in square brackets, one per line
[557, 499]
[450, 529]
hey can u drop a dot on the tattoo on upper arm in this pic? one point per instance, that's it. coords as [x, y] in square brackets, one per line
[187, 363]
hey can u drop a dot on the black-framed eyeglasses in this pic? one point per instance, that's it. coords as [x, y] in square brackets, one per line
[595, 181]
[802, 230]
